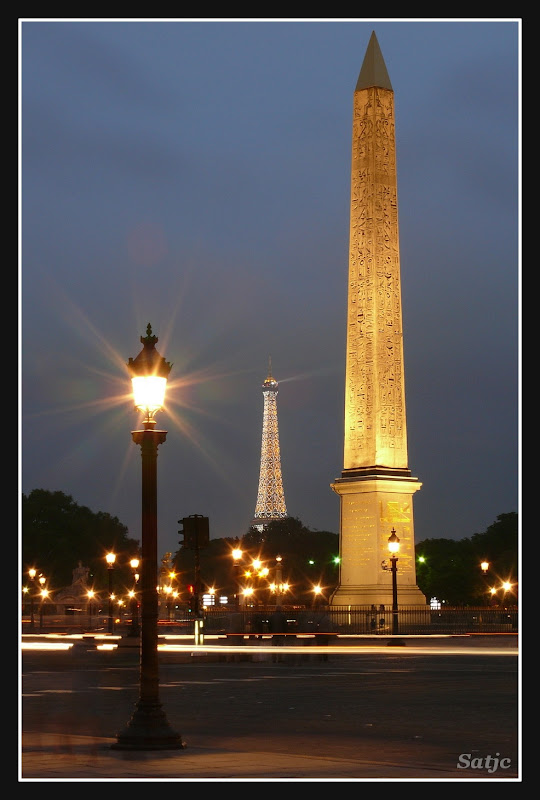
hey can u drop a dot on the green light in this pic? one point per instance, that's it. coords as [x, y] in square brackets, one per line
[336, 559]
[421, 559]
[311, 561]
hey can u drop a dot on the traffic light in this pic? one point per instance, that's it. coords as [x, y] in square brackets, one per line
[195, 531]
[189, 533]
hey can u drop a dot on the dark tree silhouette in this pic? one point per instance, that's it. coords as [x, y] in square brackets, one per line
[57, 533]
[450, 570]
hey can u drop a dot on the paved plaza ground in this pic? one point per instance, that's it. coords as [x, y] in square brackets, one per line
[426, 711]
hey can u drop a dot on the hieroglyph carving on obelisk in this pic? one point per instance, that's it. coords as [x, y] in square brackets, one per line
[375, 431]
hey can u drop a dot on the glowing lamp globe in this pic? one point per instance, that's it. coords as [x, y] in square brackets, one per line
[149, 372]
[393, 542]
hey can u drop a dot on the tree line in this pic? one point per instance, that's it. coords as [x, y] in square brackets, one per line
[57, 533]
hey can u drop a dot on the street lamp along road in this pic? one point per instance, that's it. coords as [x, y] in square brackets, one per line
[237, 560]
[148, 728]
[168, 592]
[279, 586]
[393, 547]
[32, 575]
[484, 566]
[44, 593]
[134, 628]
[90, 594]
[110, 559]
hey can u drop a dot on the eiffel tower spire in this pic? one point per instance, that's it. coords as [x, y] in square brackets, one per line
[270, 503]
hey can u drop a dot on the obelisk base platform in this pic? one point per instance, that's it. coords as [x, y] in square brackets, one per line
[371, 506]
[366, 596]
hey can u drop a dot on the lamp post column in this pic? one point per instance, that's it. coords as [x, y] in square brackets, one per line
[395, 623]
[148, 728]
[134, 629]
[109, 609]
[44, 594]
[393, 547]
[484, 566]
[149, 704]
[110, 558]
[90, 597]
[279, 581]
[237, 566]
[32, 575]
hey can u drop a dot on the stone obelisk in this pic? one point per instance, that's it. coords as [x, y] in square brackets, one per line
[376, 487]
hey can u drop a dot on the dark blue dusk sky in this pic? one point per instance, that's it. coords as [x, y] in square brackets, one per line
[195, 174]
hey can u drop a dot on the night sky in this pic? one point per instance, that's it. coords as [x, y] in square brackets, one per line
[195, 175]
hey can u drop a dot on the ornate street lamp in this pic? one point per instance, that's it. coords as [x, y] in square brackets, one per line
[134, 629]
[44, 593]
[279, 581]
[168, 593]
[32, 576]
[237, 559]
[171, 595]
[148, 728]
[110, 558]
[484, 566]
[90, 594]
[393, 547]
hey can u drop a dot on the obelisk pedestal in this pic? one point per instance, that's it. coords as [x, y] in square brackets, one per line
[371, 508]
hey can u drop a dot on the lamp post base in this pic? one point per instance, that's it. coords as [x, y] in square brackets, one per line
[148, 729]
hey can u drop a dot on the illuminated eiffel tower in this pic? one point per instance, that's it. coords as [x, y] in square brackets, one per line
[270, 504]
